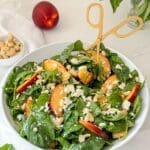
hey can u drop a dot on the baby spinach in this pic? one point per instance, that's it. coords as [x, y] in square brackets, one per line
[7, 147]
[44, 134]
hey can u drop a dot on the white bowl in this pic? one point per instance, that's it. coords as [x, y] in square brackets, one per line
[10, 61]
[53, 49]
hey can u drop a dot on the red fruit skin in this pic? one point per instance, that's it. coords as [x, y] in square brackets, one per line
[45, 15]
[21, 88]
[134, 92]
[94, 129]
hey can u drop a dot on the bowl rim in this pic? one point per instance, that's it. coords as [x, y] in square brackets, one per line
[114, 146]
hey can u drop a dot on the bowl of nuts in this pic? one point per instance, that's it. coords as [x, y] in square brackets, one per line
[11, 49]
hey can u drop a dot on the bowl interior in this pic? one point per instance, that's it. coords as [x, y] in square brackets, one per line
[53, 49]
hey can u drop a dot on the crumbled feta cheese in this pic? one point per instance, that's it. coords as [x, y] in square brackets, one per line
[89, 117]
[69, 89]
[57, 121]
[68, 67]
[88, 104]
[82, 137]
[118, 66]
[85, 110]
[126, 105]
[102, 124]
[74, 60]
[110, 111]
[20, 117]
[111, 124]
[137, 79]
[39, 68]
[35, 129]
[46, 109]
[122, 86]
[45, 91]
[66, 102]
[51, 86]
[103, 53]
[78, 92]
[89, 98]
[130, 75]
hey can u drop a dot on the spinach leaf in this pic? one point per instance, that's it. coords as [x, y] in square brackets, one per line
[7, 147]
[52, 76]
[95, 108]
[115, 4]
[115, 117]
[117, 126]
[64, 56]
[64, 143]
[137, 105]
[93, 143]
[38, 129]
[115, 99]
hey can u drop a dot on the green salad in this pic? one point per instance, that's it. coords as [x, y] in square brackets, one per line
[76, 100]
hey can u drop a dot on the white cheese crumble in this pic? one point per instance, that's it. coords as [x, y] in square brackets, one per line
[51, 86]
[78, 93]
[69, 89]
[82, 137]
[45, 91]
[137, 79]
[39, 68]
[88, 104]
[103, 53]
[57, 121]
[110, 111]
[89, 117]
[118, 66]
[68, 67]
[86, 110]
[74, 61]
[35, 129]
[130, 76]
[46, 108]
[126, 105]
[122, 86]
[102, 124]
[66, 102]
[20, 117]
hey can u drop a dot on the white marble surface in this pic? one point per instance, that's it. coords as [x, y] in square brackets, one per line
[72, 25]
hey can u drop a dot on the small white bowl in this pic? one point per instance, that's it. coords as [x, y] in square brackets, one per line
[47, 52]
[10, 61]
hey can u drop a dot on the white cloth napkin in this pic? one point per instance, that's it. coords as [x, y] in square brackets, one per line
[11, 22]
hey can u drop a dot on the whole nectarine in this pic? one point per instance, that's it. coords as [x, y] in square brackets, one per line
[45, 15]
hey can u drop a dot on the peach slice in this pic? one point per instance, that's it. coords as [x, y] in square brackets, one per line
[56, 100]
[102, 60]
[27, 83]
[134, 92]
[118, 135]
[50, 65]
[109, 84]
[94, 129]
[28, 105]
[84, 75]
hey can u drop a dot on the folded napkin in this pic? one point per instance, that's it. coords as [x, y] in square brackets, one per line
[11, 22]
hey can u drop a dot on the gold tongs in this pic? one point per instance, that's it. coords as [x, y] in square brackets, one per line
[114, 30]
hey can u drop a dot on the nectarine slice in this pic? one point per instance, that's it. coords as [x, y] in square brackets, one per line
[94, 129]
[102, 60]
[134, 92]
[28, 105]
[50, 65]
[118, 135]
[84, 75]
[109, 84]
[27, 83]
[56, 100]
